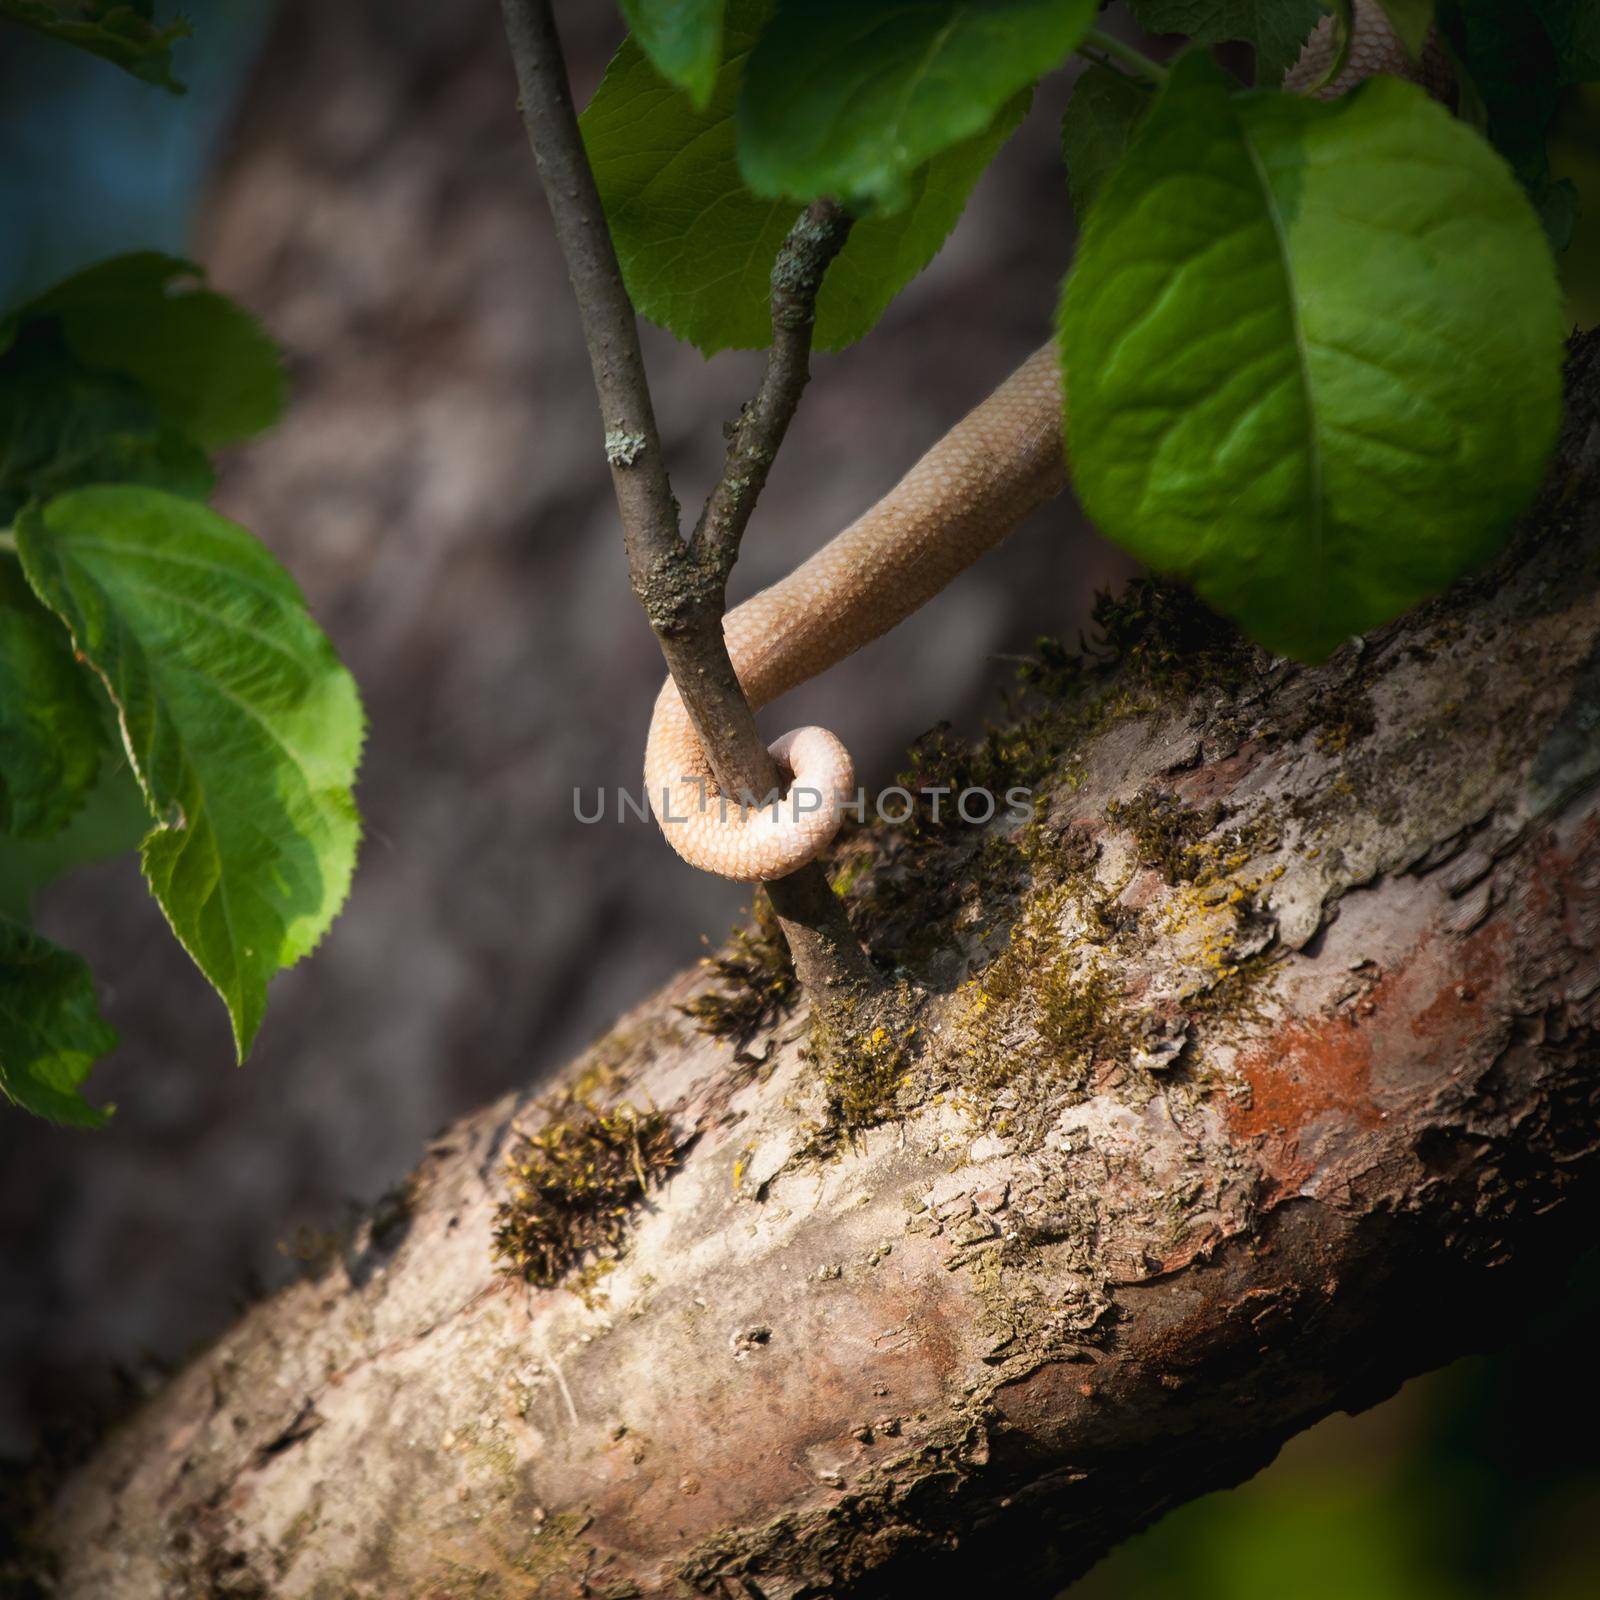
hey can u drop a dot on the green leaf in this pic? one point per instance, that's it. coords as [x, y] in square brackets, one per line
[1411, 20]
[696, 247]
[212, 367]
[683, 38]
[1313, 352]
[62, 425]
[1278, 29]
[884, 253]
[1099, 121]
[124, 34]
[243, 728]
[847, 98]
[50, 733]
[51, 1031]
[112, 822]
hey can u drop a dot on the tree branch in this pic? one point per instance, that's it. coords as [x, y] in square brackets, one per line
[632, 442]
[684, 596]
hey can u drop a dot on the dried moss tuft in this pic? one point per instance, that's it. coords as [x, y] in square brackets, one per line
[575, 1183]
[1158, 634]
[1165, 831]
[757, 978]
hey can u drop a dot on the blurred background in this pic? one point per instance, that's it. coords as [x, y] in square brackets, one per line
[357, 175]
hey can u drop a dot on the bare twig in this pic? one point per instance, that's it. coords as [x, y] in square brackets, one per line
[813, 242]
[633, 446]
[683, 589]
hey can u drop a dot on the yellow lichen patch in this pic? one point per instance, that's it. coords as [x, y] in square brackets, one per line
[1209, 923]
[574, 1184]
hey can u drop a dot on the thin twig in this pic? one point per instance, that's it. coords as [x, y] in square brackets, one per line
[683, 597]
[633, 445]
[815, 239]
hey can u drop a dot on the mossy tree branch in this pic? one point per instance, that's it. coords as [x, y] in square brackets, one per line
[1259, 1075]
[683, 585]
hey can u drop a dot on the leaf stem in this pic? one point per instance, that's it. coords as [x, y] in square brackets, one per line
[8, 538]
[1136, 61]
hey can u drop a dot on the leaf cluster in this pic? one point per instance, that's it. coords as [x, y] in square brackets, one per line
[1312, 350]
[705, 156]
[162, 686]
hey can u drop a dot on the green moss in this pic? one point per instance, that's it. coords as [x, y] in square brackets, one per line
[1342, 718]
[910, 885]
[603, 1067]
[1172, 837]
[554, 1558]
[1165, 831]
[1071, 1006]
[558, 1549]
[575, 1183]
[1080, 1015]
[863, 1052]
[862, 1074]
[755, 976]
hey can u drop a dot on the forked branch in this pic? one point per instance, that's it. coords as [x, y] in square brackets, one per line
[682, 586]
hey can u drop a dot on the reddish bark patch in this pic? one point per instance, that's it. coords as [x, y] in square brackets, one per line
[1318, 1082]
[1305, 1072]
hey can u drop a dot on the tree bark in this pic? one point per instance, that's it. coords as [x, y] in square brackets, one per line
[1255, 1074]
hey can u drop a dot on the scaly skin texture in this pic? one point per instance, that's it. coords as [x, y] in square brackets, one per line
[963, 497]
[1374, 47]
